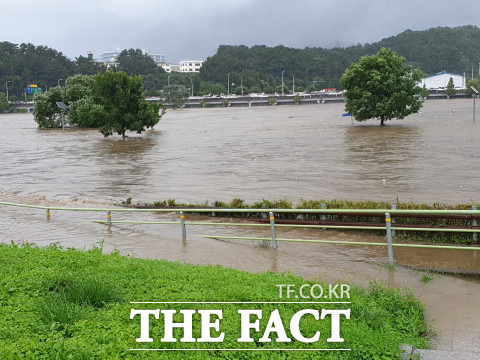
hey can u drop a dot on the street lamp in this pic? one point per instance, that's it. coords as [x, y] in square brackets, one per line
[228, 84]
[293, 84]
[6, 85]
[282, 82]
[241, 84]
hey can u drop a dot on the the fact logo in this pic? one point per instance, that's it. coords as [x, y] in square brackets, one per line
[249, 320]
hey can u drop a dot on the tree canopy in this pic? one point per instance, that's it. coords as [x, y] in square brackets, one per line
[111, 101]
[4, 105]
[381, 86]
[124, 108]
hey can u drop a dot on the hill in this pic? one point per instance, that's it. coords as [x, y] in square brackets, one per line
[434, 50]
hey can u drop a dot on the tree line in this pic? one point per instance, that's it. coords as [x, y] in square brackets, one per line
[242, 69]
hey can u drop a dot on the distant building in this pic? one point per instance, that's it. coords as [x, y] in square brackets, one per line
[190, 65]
[440, 81]
[110, 56]
[169, 68]
[158, 58]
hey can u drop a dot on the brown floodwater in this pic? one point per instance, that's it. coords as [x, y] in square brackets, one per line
[292, 152]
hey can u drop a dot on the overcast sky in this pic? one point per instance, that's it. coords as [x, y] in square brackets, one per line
[193, 29]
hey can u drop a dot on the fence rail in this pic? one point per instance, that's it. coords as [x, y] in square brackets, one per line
[389, 226]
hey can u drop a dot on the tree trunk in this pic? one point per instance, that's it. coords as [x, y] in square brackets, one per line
[382, 122]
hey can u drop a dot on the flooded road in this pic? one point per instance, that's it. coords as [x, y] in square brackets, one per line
[277, 152]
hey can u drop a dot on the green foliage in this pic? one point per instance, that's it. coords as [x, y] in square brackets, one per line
[135, 62]
[26, 64]
[124, 108]
[41, 321]
[473, 82]
[46, 112]
[4, 105]
[432, 50]
[450, 90]
[423, 92]
[175, 95]
[381, 86]
[211, 88]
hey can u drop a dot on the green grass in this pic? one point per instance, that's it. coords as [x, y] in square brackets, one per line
[434, 237]
[70, 304]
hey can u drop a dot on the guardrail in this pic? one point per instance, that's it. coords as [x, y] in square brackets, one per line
[389, 228]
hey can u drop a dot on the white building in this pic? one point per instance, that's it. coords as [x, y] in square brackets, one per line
[440, 81]
[169, 68]
[190, 65]
[110, 56]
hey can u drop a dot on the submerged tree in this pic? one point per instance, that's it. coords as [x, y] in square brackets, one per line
[112, 102]
[450, 90]
[381, 86]
[175, 95]
[121, 104]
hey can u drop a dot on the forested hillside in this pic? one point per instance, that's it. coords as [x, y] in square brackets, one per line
[240, 69]
[434, 50]
[25, 64]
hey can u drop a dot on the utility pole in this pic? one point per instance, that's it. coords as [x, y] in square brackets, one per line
[6, 85]
[282, 82]
[228, 85]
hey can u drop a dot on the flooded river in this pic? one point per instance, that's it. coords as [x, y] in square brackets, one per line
[292, 152]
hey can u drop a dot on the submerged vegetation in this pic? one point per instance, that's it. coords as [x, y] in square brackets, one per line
[462, 221]
[71, 304]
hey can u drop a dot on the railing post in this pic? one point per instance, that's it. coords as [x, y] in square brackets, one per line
[323, 217]
[394, 207]
[475, 223]
[109, 218]
[212, 205]
[48, 214]
[388, 223]
[182, 222]
[272, 227]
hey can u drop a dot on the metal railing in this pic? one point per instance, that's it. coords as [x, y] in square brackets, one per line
[389, 223]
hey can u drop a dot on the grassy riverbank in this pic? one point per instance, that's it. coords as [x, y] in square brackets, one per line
[71, 304]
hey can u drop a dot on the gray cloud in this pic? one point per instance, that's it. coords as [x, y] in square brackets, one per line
[194, 29]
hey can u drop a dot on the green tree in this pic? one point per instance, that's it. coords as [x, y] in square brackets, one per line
[46, 112]
[450, 90]
[424, 92]
[4, 105]
[381, 86]
[472, 82]
[176, 95]
[135, 62]
[121, 104]
[211, 88]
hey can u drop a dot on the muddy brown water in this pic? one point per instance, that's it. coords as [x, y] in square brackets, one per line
[276, 152]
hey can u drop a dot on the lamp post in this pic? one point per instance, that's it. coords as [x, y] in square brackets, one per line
[293, 84]
[282, 82]
[228, 84]
[241, 84]
[191, 82]
[6, 85]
